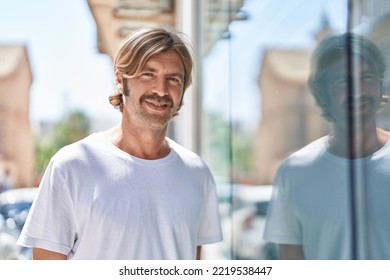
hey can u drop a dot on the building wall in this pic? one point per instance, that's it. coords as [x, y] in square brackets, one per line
[115, 19]
[290, 119]
[16, 141]
[376, 25]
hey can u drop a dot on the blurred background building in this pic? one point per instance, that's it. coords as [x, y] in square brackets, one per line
[376, 21]
[288, 109]
[115, 19]
[16, 141]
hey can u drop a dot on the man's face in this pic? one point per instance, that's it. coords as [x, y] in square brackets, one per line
[366, 93]
[153, 98]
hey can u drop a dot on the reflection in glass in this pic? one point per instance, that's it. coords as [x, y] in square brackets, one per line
[329, 197]
[256, 109]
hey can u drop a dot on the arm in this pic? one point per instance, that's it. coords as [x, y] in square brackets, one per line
[198, 252]
[42, 254]
[291, 252]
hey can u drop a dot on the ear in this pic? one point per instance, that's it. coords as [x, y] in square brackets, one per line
[118, 77]
[382, 89]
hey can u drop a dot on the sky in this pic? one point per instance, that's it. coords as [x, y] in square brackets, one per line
[69, 73]
[271, 24]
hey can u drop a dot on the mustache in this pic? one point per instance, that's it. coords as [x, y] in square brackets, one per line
[357, 101]
[166, 100]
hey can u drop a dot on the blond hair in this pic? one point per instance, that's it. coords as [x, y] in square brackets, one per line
[144, 43]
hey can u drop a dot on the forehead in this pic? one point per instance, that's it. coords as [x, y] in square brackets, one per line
[167, 60]
[340, 68]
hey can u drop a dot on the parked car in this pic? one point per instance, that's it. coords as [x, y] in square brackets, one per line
[250, 206]
[243, 210]
[8, 248]
[14, 207]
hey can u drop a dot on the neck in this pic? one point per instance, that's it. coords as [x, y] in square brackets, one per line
[148, 144]
[365, 142]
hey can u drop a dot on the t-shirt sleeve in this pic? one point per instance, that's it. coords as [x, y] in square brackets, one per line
[209, 230]
[51, 222]
[282, 225]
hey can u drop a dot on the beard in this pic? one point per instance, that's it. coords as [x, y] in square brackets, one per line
[360, 114]
[157, 99]
[156, 119]
[147, 117]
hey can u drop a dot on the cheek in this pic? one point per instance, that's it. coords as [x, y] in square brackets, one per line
[374, 90]
[340, 98]
[135, 91]
[336, 97]
[177, 96]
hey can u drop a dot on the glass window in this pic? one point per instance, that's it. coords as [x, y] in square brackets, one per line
[294, 107]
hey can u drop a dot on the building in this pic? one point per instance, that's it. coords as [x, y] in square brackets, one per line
[377, 12]
[16, 140]
[290, 118]
[115, 19]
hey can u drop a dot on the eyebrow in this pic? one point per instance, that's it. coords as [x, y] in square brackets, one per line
[174, 74]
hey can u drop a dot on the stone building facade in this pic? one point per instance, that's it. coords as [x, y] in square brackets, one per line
[16, 141]
[115, 19]
[290, 119]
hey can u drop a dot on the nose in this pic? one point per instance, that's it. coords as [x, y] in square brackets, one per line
[357, 87]
[161, 86]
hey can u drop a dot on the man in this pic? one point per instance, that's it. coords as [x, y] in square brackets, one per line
[130, 192]
[315, 212]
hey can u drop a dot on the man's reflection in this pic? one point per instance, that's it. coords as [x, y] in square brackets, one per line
[310, 212]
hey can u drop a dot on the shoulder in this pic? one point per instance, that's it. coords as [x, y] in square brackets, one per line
[190, 161]
[77, 151]
[302, 167]
[311, 151]
[185, 154]
[383, 136]
[309, 155]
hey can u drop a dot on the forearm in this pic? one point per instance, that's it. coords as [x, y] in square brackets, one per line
[291, 252]
[42, 254]
[198, 252]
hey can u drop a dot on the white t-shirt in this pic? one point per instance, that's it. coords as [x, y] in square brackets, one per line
[311, 203]
[97, 202]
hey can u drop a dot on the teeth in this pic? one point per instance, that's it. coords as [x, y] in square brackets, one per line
[158, 104]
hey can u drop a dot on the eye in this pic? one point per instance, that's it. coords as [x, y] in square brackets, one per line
[340, 83]
[175, 80]
[147, 75]
[368, 78]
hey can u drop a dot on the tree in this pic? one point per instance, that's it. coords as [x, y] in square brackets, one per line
[228, 148]
[72, 128]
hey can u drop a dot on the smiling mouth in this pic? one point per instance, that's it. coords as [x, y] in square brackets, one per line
[359, 106]
[157, 105]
